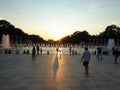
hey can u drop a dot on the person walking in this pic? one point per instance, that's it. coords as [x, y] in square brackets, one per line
[33, 53]
[41, 51]
[116, 52]
[99, 54]
[86, 58]
[57, 49]
[37, 49]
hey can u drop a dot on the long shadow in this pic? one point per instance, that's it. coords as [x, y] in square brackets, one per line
[55, 66]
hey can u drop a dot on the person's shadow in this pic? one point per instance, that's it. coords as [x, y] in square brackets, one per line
[55, 66]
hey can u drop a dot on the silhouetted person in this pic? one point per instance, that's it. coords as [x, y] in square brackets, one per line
[73, 52]
[17, 51]
[113, 50]
[9, 51]
[24, 52]
[6, 51]
[70, 50]
[48, 52]
[116, 52]
[33, 52]
[99, 54]
[38, 50]
[94, 52]
[57, 49]
[28, 52]
[41, 51]
[86, 58]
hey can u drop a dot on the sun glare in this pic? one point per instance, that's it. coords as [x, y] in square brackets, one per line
[58, 34]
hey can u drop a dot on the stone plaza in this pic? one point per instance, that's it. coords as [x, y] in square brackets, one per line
[49, 72]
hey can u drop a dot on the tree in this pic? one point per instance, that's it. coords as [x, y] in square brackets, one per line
[76, 37]
[16, 33]
[111, 31]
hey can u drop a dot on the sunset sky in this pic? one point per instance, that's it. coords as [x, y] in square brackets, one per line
[53, 19]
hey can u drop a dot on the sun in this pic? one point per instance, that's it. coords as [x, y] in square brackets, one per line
[58, 28]
[58, 34]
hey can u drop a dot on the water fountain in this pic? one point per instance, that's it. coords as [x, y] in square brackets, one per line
[5, 41]
[111, 44]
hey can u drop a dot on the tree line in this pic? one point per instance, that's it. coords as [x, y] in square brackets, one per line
[17, 35]
[79, 37]
[111, 32]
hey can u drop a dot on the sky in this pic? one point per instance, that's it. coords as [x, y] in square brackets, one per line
[54, 19]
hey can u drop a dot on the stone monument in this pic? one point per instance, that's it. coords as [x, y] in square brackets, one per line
[5, 41]
[111, 44]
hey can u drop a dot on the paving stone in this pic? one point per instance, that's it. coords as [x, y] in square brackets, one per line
[47, 72]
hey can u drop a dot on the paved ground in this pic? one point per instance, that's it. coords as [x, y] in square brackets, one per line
[18, 72]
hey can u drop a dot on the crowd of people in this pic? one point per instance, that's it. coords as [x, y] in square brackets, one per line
[37, 50]
[72, 51]
[86, 55]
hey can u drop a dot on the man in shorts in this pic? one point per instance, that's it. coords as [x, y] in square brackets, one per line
[86, 58]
